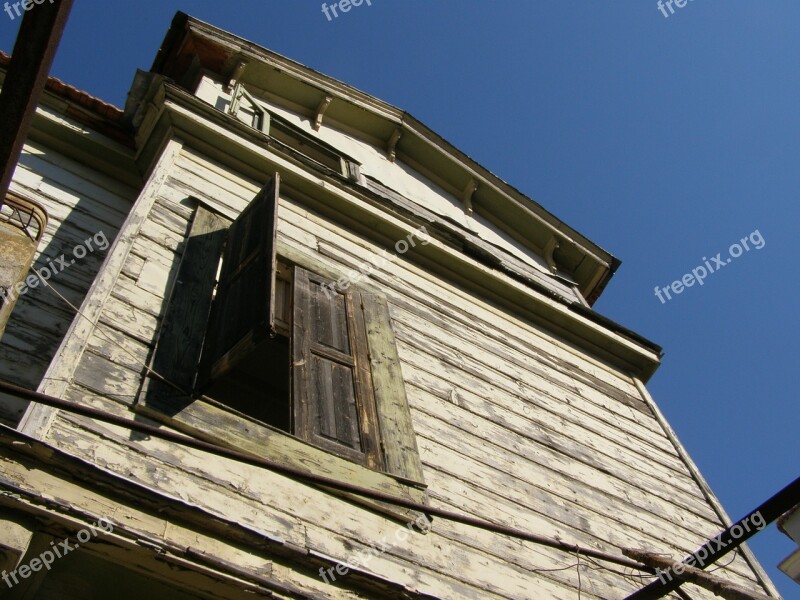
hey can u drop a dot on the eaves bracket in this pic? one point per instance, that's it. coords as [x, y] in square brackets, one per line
[549, 251]
[467, 195]
[320, 114]
[391, 146]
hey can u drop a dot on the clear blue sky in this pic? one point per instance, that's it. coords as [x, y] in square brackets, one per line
[665, 140]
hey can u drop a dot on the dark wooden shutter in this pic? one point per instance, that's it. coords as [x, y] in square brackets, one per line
[180, 340]
[243, 312]
[332, 392]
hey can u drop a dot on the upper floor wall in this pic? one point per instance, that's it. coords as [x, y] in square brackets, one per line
[393, 154]
[378, 172]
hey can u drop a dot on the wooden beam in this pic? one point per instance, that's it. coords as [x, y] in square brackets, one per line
[34, 51]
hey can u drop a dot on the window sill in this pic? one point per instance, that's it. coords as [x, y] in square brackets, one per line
[204, 420]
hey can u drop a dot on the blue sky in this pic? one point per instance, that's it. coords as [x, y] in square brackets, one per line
[665, 140]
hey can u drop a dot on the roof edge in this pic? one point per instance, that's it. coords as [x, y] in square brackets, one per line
[596, 265]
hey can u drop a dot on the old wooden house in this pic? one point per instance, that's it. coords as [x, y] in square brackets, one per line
[259, 257]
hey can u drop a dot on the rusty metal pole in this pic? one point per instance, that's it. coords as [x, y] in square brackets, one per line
[726, 541]
[34, 51]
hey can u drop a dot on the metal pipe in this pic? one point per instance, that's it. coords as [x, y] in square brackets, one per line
[307, 477]
[724, 542]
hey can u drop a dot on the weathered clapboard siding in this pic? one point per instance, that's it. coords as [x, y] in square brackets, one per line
[80, 203]
[193, 175]
[513, 425]
[585, 513]
[700, 528]
[538, 409]
[186, 475]
[573, 448]
[456, 350]
[532, 460]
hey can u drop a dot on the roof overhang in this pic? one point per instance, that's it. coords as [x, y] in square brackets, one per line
[192, 47]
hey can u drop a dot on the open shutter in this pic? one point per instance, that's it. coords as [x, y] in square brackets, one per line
[243, 312]
[333, 405]
[180, 340]
[401, 455]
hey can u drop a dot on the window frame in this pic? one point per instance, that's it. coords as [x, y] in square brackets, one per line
[291, 139]
[400, 473]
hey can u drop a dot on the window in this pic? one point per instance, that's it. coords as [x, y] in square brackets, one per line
[266, 356]
[289, 137]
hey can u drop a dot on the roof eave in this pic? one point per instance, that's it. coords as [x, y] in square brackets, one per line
[302, 89]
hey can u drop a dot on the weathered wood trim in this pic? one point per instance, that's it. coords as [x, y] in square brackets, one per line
[709, 495]
[205, 420]
[144, 517]
[471, 244]
[37, 419]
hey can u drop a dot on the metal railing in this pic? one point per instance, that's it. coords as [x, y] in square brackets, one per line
[24, 214]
